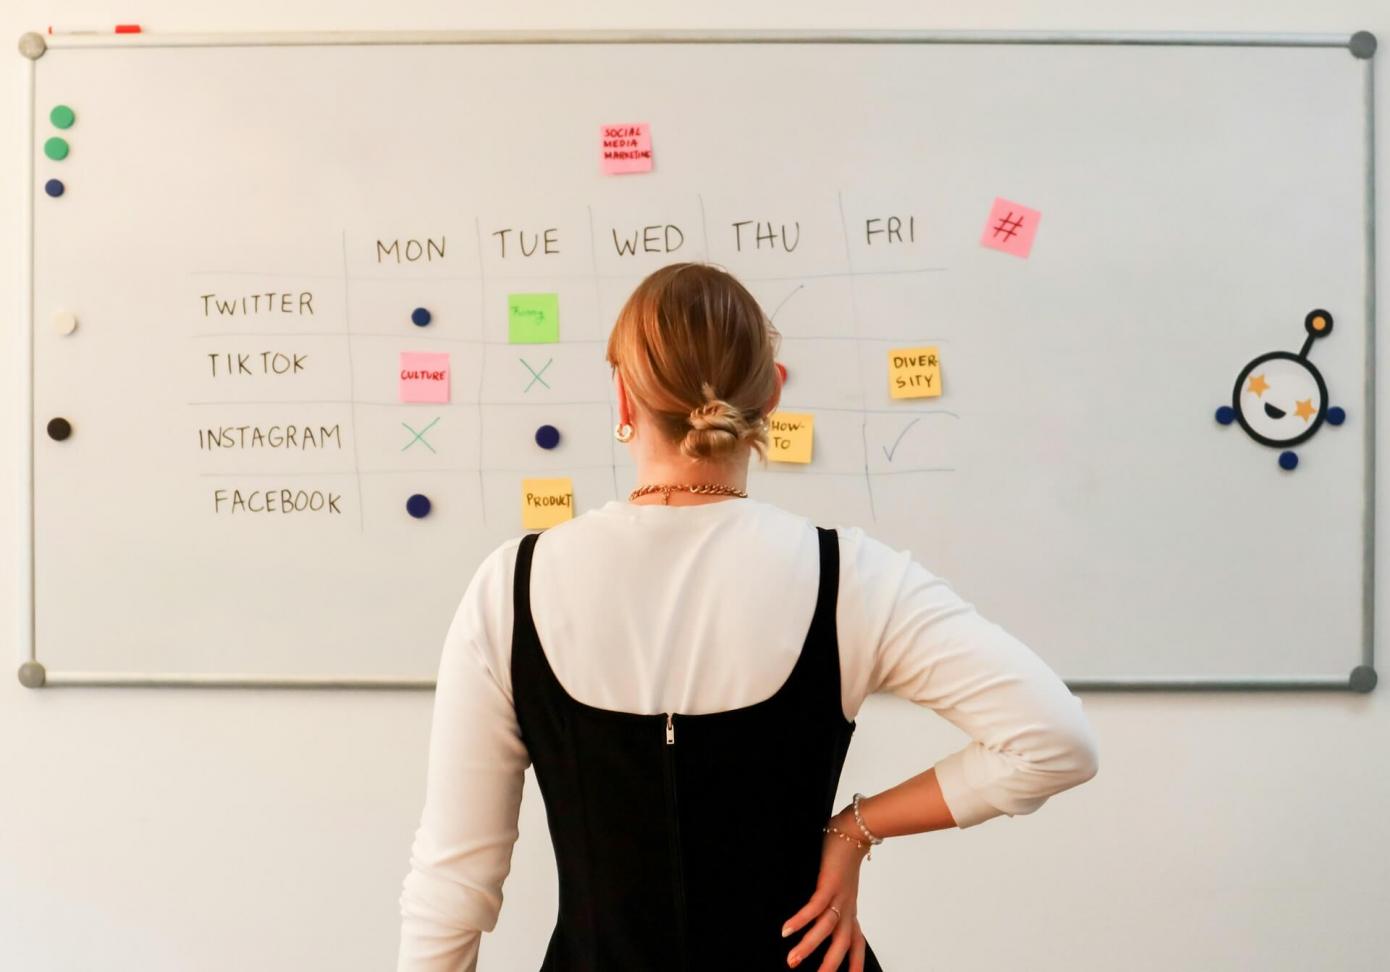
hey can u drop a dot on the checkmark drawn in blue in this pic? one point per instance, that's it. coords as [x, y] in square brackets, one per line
[887, 452]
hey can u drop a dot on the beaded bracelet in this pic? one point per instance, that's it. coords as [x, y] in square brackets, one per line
[860, 821]
[840, 833]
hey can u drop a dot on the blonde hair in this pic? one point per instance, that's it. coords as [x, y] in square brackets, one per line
[697, 353]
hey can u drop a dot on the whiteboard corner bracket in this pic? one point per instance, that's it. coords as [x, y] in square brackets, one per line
[1362, 44]
[32, 45]
[32, 674]
[1363, 678]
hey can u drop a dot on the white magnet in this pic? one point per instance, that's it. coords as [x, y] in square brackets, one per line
[65, 322]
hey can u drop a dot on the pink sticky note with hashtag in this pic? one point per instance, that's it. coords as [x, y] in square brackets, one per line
[1011, 227]
[626, 148]
[424, 376]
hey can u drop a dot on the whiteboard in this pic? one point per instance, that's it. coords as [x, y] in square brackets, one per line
[247, 225]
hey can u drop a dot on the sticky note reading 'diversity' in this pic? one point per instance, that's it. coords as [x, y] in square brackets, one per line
[424, 376]
[789, 436]
[914, 373]
[533, 318]
[546, 502]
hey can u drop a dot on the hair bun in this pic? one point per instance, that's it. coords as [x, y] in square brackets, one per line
[716, 427]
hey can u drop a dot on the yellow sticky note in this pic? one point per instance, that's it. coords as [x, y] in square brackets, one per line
[914, 373]
[789, 434]
[546, 502]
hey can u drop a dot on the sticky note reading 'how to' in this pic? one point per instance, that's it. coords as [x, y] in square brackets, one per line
[546, 502]
[626, 148]
[1011, 228]
[424, 376]
[790, 436]
[533, 318]
[914, 373]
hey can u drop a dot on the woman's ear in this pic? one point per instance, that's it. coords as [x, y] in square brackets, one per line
[624, 406]
[777, 391]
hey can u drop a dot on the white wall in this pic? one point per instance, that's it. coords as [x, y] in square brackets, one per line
[205, 830]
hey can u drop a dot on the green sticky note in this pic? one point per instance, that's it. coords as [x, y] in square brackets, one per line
[533, 318]
[55, 148]
[62, 117]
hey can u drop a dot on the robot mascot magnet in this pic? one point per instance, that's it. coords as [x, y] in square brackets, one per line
[1280, 398]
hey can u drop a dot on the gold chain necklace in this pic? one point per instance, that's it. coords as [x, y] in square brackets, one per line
[703, 489]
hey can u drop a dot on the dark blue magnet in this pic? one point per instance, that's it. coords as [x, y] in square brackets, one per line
[547, 436]
[1288, 459]
[418, 506]
[1336, 415]
[54, 187]
[1225, 415]
[420, 316]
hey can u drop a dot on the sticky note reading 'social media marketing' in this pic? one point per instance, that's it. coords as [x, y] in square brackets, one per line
[914, 373]
[546, 502]
[533, 318]
[424, 376]
[789, 436]
[626, 148]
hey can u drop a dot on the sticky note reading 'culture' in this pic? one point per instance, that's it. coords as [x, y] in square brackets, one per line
[626, 148]
[1011, 228]
[790, 436]
[533, 318]
[546, 502]
[424, 376]
[914, 373]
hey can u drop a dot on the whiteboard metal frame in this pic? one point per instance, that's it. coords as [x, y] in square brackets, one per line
[1361, 44]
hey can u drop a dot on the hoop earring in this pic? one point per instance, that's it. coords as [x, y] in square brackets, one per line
[623, 433]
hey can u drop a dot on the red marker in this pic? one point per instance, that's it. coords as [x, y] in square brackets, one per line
[118, 29]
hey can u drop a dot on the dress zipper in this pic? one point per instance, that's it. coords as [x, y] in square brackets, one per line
[678, 874]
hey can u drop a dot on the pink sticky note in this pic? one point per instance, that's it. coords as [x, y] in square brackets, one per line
[424, 376]
[626, 148]
[1011, 227]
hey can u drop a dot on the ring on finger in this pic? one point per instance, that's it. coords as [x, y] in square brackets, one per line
[836, 910]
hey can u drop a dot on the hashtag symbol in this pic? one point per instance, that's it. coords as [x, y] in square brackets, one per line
[1008, 226]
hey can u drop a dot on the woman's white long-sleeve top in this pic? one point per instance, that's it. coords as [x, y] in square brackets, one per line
[701, 609]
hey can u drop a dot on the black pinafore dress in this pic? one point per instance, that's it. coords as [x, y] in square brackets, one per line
[684, 842]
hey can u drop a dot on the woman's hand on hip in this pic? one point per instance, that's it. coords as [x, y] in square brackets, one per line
[833, 909]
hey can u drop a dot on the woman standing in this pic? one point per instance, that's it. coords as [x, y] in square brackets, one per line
[683, 670]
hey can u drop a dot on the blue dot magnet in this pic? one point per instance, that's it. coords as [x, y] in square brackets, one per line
[420, 317]
[1336, 415]
[54, 187]
[547, 436]
[1225, 415]
[1288, 459]
[418, 506]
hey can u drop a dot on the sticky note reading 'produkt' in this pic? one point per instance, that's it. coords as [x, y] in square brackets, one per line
[1011, 228]
[424, 376]
[546, 502]
[626, 148]
[533, 318]
[790, 436]
[914, 373]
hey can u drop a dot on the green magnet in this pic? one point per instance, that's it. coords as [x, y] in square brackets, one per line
[55, 148]
[62, 117]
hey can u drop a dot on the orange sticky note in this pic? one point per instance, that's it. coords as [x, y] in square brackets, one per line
[626, 148]
[424, 376]
[914, 373]
[546, 502]
[789, 435]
